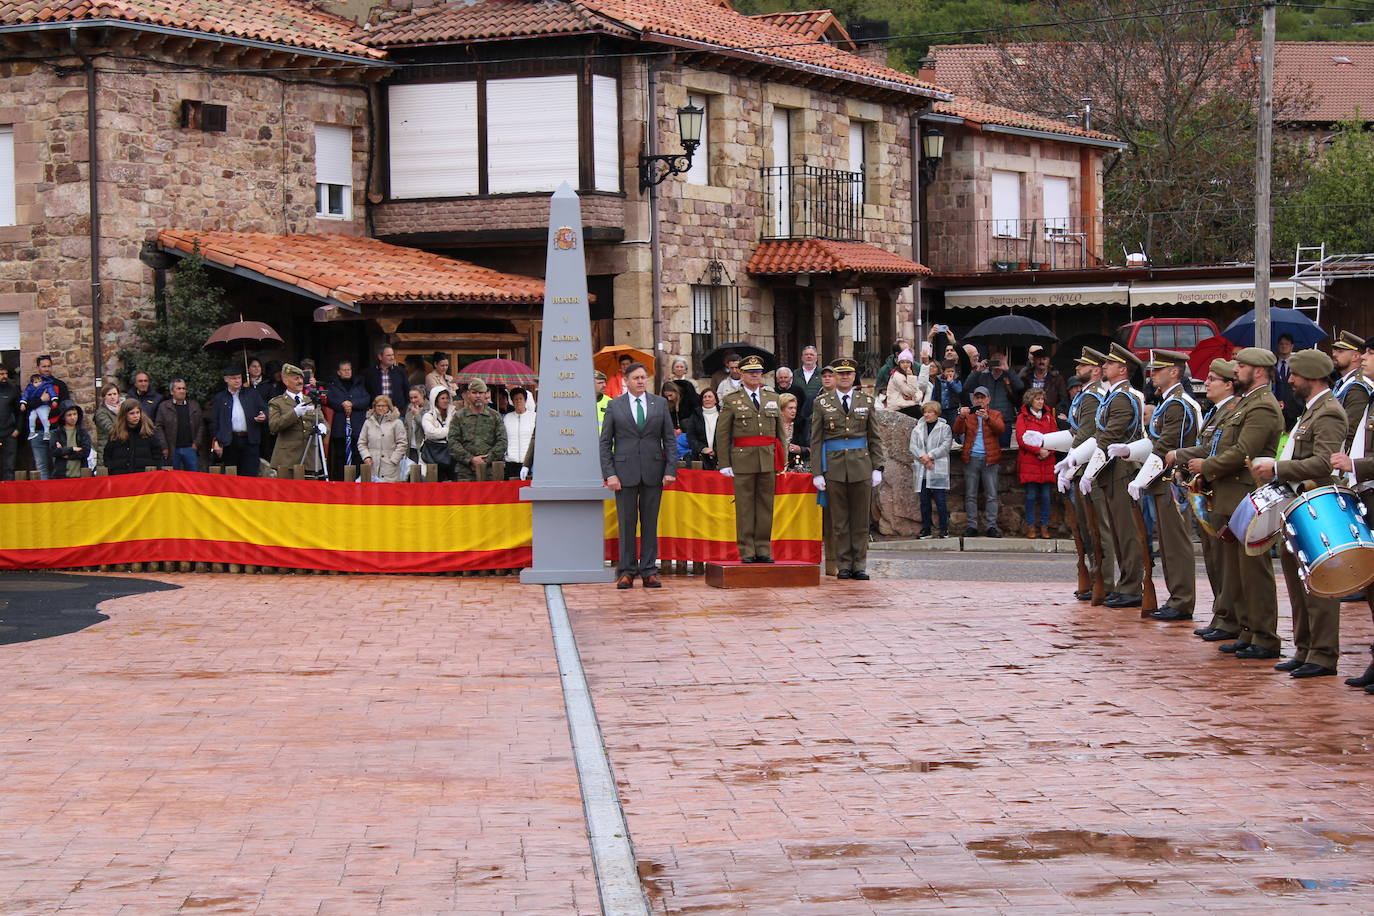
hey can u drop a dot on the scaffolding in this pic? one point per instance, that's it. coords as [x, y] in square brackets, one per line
[1315, 269]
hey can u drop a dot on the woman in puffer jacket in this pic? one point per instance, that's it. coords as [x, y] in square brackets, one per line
[383, 442]
[1035, 466]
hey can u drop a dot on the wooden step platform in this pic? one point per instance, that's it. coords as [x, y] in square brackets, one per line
[762, 575]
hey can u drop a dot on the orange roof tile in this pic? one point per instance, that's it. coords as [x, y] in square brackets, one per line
[816, 25]
[289, 22]
[357, 271]
[822, 256]
[475, 22]
[983, 113]
[701, 22]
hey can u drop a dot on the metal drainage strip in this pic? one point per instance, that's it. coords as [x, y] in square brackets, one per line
[613, 857]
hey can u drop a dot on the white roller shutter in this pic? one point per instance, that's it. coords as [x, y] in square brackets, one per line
[7, 209]
[333, 155]
[9, 332]
[700, 172]
[433, 133]
[605, 133]
[1006, 204]
[1057, 204]
[531, 134]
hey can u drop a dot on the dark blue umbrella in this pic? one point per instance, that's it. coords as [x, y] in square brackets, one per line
[1304, 331]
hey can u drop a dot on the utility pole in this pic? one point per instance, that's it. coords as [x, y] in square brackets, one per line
[1263, 155]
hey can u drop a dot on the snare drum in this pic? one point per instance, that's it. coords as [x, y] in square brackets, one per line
[1258, 518]
[1327, 533]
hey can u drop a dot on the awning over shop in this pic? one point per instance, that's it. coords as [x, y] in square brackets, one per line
[823, 256]
[1024, 297]
[1236, 290]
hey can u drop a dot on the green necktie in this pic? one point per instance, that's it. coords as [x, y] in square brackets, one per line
[639, 413]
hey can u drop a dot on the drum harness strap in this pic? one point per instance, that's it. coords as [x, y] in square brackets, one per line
[1073, 407]
[1187, 434]
[1107, 403]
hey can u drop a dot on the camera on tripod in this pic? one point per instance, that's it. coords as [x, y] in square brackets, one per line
[315, 395]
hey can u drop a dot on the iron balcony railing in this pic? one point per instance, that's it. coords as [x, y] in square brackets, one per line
[804, 201]
[989, 246]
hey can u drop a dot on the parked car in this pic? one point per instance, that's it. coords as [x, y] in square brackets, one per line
[1181, 334]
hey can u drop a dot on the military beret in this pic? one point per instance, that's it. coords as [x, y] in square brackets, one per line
[751, 364]
[827, 368]
[477, 386]
[1224, 368]
[289, 369]
[1120, 354]
[1091, 357]
[1256, 356]
[1348, 341]
[1312, 364]
[598, 375]
[1166, 359]
[844, 364]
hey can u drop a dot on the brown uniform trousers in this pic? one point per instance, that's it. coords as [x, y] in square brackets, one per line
[1223, 592]
[1174, 426]
[1119, 422]
[1321, 430]
[848, 472]
[755, 477]
[1100, 532]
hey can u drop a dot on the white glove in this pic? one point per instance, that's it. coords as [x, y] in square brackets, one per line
[1065, 480]
[1118, 450]
[524, 473]
[877, 477]
[1086, 484]
[322, 429]
[1034, 438]
[819, 482]
[1064, 465]
[1133, 489]
[728, 472]
[301, 408]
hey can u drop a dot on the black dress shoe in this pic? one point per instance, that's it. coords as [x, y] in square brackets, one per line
[1369, 689]
[970, 532]
[1112, 596]
[1123, 601]
[1231, 648]
[1257, 652]
[860, 575]
[844, 574]
[1170, 613]
[748, 560]
[1364, 680]
[993, 533]
[1292, 664]
[1202, 631]
[763, 559]
[1313, 670]
[1215, 635]
[1084, 596]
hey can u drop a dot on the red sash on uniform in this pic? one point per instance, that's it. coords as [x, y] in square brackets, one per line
[747, 441]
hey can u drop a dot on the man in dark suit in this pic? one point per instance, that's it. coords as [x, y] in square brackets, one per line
[386, 378]
[1291, 405]
[638, 452]
[237, 415]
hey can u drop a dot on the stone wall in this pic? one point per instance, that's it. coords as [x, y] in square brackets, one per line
[470, 214]
[897, 507]
[258, 175]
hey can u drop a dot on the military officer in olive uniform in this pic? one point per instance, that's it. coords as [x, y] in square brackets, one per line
[1119, 423]
[1306, 463]
[1358, 467]
[1083, 423]
[844, 434]
[749, 448]
[476, 435]
[1174, 425]
[1221, 391]
[1248, 431]
[292, 418]
[1353, 388]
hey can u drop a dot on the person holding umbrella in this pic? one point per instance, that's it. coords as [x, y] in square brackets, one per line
[237, 416]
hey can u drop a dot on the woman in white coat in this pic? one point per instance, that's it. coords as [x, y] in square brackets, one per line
[434, 422]
[383, 441]
[930, 444]
[906, 388]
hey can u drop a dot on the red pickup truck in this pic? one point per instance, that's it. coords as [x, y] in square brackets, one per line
[1180, 334]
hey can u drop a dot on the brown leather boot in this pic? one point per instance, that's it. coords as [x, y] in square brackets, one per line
[1045, 532]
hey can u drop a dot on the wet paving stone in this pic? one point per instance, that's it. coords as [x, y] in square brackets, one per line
[918, 746]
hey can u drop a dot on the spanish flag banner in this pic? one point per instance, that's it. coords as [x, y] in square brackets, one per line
[346, 527]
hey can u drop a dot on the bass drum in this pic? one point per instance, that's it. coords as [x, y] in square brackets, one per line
[1326, 531]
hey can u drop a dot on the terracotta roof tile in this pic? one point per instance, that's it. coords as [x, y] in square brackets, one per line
[288, 22]
[357, 270]
[821, 256]
[816, 25]
[983, 113]
[699, 21]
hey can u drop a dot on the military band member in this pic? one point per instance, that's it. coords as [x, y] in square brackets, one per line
[1250, 430]
[1173, 425]
[1083, 422]
[1358, 466]
[749, 434]
[844, 434]
[1221, 391]
[1119, 423]
[1353, 388]
[1319, 433]
[294, 420]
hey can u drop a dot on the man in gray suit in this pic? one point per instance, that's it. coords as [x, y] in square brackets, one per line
[638, 459]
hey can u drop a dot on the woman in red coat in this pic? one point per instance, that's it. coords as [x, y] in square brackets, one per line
[1035, 466]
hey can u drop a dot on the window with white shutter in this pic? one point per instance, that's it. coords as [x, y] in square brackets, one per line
[700, 172]
[1006, 204]
[333, 172]
[532, 134]
[1056, 205]
[858, 159]
[8, 216]
[9, 332]
[433, 139]
[605, 133]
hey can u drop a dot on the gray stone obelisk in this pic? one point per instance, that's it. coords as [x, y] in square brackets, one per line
[567, 491]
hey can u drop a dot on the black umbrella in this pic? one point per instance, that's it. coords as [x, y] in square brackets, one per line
[714, 361]
[1012, 329]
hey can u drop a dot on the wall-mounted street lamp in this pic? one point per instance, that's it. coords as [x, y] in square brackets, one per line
[932, 151]
[655, 170]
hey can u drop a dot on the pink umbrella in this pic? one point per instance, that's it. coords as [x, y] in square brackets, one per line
[499, 372]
